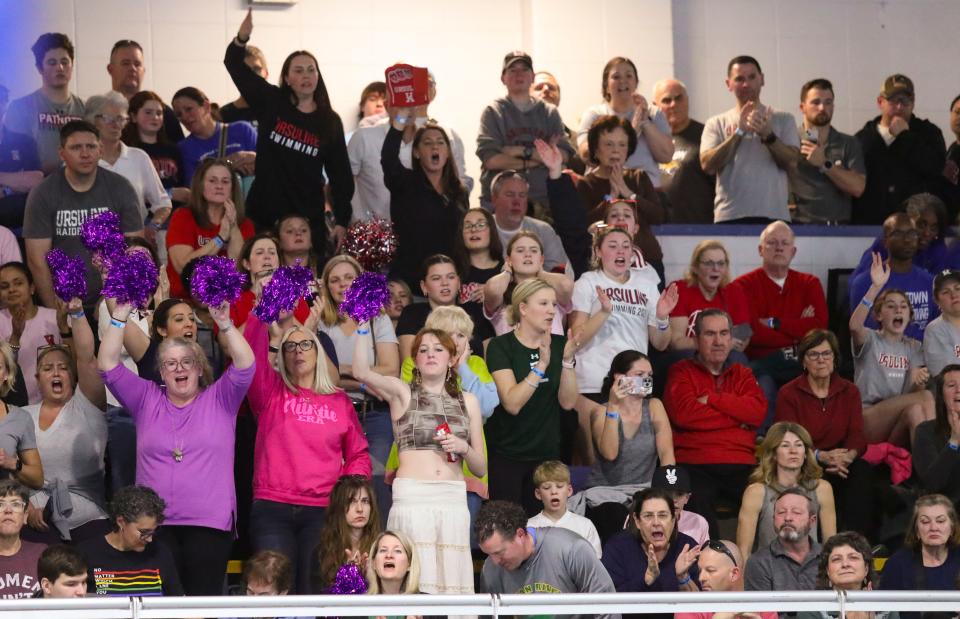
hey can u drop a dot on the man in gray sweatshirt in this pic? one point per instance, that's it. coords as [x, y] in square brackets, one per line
[536, 560]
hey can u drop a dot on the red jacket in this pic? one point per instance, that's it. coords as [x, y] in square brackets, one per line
[832, 423]
[768, 300]
[722, 431]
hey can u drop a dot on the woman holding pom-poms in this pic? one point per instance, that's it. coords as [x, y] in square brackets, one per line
[308, 435]
[185, 432]
[435, 425]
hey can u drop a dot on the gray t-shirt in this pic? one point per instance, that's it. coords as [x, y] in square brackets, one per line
[42, 119]
[56, 211]
[751, 184]
[817, 198]
[382, 332]
[554, 255]
[881, 368]
[562, 562]
[72, 451]
[641, 158]
[16, 434]
[772, 569]
[941, 345]
[503, 124]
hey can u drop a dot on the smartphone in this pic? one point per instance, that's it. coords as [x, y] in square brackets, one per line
[813, 135]
[638, 385]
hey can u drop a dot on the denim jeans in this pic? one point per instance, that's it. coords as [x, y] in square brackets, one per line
[379, 431]
[121, 448]
[293, 530]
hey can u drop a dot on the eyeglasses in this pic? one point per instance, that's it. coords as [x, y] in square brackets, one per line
[112, 120]
[651, 516]
[480, 225]
[713, 544]
[13, 506]
[904, 234]
[303, 345]
[813, 355]
[146, 534]
[172, 365]
[714, 264]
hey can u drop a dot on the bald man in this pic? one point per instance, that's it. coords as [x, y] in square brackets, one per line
[721, 569]
[901, 239]
[689, 189]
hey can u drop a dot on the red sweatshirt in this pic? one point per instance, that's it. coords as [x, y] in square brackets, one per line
[722, 431]
[768, 300]
[832, 423]
[305, 440]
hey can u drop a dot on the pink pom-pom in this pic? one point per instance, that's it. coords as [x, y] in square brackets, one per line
[215, 280]
[287, 286]
[365, 297]
[373, 243]
[68, 274]
[133, 278]
[101, 235]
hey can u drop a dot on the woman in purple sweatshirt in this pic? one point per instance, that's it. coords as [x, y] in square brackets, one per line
[185, 441]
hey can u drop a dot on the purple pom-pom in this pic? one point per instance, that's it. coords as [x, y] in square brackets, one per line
[215, 280]
[133, 278]
[69, 275]
[101, 235]
[349, 581]
[365, 297]
[287, 286]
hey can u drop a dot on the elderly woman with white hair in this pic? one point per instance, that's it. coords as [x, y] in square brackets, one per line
[185, 441]
[308, 436]
[109, 115]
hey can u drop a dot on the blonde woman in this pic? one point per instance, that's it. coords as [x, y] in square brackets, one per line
[394, 566]
[786, 460]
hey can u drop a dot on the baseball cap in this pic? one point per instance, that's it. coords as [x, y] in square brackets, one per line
[671, 477]
[517, 56]
[943, 277]
[897, 84]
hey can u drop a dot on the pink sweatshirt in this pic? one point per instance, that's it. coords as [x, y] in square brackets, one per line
[305, 440]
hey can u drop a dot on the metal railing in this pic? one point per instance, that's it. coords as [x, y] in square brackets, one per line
[483, 605]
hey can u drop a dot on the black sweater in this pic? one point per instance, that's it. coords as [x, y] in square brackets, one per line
[426, 222]
[913, 163]
[934, 463]
[293, 151]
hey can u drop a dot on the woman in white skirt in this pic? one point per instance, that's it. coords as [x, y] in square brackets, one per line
[435, 424]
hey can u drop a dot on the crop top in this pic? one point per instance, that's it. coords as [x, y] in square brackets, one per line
[417, 427]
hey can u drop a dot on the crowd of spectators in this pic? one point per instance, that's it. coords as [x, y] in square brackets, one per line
[534, 389]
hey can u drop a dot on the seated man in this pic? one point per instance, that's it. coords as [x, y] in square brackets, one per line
[530, 560]
[62, 571]
[114, 559]
[901, 238]
[790, 562]
[508, 191]
[721, 569]
[18, 558]
[715, 407]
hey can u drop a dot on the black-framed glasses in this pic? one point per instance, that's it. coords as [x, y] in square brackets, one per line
[146, 534]
[813, 355]
[713, 544]
[480, 225]
[304, 345]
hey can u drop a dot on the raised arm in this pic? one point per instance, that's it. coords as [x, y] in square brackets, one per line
[394, 172]
[112, 340]
[570, 219]
[660, 338]
[391, 388]
[254, 89]
[879, 275]
[235, 345]
[89, 380]
[605, 423]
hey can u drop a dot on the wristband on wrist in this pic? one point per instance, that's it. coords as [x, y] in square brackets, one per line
[219, 241]
[226, 328]
[66, 334]
[816, 455]
[77, 314]
[401, 120]
[242, 41]
[684, 580]
[569, 365]
[118, 323]
[273, 349]
[867, 304]
[739, 132]
[952, 446]
[663, 324]
[613, 415]
[538, 372]
[363, 331]
[534, 385]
